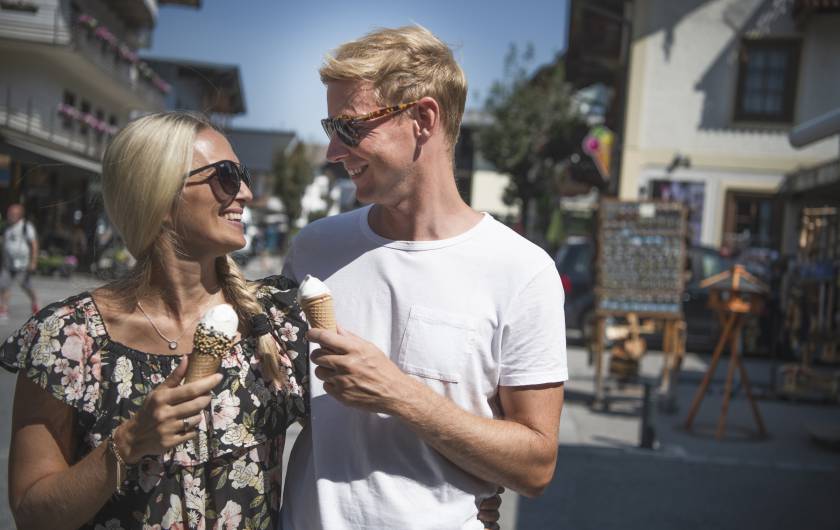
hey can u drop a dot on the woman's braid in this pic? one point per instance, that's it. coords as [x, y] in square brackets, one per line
[244, 300]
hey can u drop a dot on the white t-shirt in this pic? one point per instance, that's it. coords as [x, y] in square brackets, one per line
[463, 315]
[17, 239]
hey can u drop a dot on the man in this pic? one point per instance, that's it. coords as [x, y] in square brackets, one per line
[446, 376]
[20, 257]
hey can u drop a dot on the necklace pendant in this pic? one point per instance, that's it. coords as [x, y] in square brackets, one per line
[173, 345]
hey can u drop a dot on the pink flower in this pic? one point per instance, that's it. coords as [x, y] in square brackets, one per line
[60, 365]
[225, 410]
[95, 366]
[289, 332]
[78, 342]
[230, 517]
[72, 376]
[72, 381]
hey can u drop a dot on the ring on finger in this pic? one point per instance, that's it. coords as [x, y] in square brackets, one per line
[186, 425]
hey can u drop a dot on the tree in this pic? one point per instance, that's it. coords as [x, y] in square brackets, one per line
[292, 174]
[535, 128]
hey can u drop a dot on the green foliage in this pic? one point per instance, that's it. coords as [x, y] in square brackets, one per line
[318, 214]
[535, 129]
[292, 174]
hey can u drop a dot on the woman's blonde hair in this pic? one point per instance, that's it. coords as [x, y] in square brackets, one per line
[404, 64]
[143, 173]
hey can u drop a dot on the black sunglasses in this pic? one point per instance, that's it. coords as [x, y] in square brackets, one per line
[346, 127]
[229, 175]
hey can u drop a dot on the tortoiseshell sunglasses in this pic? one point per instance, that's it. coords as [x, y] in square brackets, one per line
[346, 127]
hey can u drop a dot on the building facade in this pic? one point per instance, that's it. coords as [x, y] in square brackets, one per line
[71, 78]
[713, 89]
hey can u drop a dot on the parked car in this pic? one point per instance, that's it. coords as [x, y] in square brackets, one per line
[576, 265]
[575, 262]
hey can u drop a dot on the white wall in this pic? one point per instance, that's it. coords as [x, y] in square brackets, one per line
[819, 87]
[487, 190]
[683, 77]
[689, 92]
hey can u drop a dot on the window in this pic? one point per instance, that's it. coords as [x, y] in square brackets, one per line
[751, 219]
[69, 102]
[83, 128]
[100, 120]
[690, 193]
[767, 76]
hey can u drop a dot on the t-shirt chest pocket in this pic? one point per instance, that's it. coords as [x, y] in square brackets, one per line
[437, 345]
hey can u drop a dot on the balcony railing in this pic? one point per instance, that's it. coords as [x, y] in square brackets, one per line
[118, 63]
[94, 42]
[51, 124]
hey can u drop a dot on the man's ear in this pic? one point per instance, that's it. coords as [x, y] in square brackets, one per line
[427, 117]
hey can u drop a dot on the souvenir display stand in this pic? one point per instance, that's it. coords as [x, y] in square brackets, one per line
[812, 310]
[640, 263]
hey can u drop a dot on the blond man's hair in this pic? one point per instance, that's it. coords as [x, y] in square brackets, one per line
[143, 174]
[403, 65]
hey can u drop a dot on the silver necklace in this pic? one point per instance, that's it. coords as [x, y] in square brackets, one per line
[173, 343]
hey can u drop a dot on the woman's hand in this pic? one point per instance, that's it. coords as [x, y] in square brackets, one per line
[488, 510]
[168, 417]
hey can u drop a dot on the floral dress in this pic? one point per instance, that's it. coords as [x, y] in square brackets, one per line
[229, 477]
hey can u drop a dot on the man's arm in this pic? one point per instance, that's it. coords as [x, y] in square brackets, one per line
[518, 452]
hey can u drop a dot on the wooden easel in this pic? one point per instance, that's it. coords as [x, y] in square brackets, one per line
[673, 345]
[734, 294]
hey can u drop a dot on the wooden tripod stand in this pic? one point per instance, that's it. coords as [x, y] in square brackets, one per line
[734, 295]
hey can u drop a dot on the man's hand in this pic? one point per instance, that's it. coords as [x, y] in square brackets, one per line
[356, 372]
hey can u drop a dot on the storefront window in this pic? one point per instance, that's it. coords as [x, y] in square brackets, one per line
[751, 220]
[690, 194]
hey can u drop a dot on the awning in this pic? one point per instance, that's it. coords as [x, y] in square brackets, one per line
[25, 143]
[812, 179]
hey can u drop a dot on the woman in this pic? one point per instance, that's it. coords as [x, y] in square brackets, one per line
[104, 434]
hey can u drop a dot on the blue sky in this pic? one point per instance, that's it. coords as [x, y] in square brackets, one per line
[279, 45]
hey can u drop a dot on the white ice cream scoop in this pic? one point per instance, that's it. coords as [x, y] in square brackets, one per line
[311, 287]
[221, 318]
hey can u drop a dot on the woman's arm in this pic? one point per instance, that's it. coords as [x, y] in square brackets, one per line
[44, 490]
[48, 490]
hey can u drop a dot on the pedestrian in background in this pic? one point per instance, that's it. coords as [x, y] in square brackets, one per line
[20, 259]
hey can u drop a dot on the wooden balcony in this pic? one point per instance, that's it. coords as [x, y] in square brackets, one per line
[39, 124]
[84, 45]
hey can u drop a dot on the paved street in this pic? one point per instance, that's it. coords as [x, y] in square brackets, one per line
[604, 482]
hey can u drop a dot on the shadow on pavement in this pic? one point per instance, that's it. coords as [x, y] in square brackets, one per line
[626, 489]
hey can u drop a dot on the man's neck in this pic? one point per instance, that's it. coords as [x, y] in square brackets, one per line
[432, 211]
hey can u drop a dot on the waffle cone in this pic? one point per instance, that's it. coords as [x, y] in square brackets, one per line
[209, 346]
[319, 312]
[201, 365]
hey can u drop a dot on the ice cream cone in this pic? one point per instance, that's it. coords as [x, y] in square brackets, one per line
[320, 312]
[201, 365]
[213, 339]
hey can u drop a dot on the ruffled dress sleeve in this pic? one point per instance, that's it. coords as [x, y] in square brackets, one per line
[59, 351]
